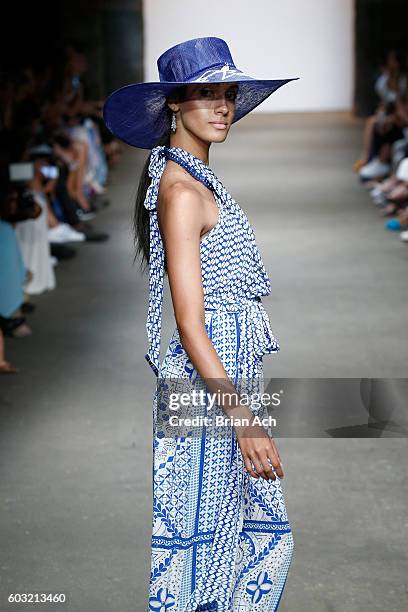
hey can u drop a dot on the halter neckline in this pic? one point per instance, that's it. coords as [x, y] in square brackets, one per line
[193, 164]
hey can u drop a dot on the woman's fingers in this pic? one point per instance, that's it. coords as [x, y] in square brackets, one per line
[260, 467]
[249, 467]
[276, 460]
[269, 463]
[267, 471]
[261, 457]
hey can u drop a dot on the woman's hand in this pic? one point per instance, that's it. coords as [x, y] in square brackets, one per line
[259, 449]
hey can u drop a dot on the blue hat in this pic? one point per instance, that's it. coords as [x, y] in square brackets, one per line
[138, 113]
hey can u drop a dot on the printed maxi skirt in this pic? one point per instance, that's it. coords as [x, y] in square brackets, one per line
[221, 538]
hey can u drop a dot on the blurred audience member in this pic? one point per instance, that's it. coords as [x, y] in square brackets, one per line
[55, 156]
[385, 157]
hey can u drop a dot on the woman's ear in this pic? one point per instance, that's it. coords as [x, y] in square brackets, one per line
[173, 106]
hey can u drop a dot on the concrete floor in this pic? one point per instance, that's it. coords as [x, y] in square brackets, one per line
[75, 471]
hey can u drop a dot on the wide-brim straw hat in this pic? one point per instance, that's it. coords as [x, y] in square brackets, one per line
[138, 113]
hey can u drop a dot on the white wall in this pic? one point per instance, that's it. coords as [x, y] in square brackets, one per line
[311, 39]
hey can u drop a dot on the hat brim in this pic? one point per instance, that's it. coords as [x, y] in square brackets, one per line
[136, 113]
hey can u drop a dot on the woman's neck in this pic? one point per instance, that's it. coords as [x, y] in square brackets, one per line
[196, 147]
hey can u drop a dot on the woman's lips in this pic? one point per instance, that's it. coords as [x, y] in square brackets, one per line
[219, 125]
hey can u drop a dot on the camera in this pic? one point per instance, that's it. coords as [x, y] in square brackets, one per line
[50, 172]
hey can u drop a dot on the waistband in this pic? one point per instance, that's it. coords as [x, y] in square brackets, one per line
[230, 302]
[256, 337]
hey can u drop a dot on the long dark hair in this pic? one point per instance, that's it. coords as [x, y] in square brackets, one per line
[141, 214]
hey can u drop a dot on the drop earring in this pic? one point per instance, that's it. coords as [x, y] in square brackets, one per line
[173, 122]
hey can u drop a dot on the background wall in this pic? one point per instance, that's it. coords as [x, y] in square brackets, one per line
[269, 39]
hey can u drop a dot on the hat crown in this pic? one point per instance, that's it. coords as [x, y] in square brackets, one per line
[188, 59]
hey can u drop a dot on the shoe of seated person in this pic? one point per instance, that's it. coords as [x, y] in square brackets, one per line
[72, 234]
[64, 233]
[21, 331]
[377, 194]
[404, 236]
[374, 169]
[85, 215]
[8, 368]
[380, 199]
[57, 234]
[395, 225]
[16, 328]
[376, 190]
[8, 324]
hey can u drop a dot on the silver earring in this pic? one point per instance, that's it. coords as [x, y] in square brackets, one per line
[173, 122]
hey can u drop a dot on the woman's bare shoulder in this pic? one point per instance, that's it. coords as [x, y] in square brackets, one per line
[178, 190]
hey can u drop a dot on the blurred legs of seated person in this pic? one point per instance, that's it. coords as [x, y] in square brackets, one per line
[387, 130]
[378, 167]
[367, 140]
[396, 200]
[75, 154]
[5, 366]
[392, 194]
[62, 232]
[78, 175]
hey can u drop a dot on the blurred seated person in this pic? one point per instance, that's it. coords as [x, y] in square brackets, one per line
[389, 86]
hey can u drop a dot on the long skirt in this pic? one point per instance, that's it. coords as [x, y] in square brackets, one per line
[12, 271]
[221, 539]
[32, 235]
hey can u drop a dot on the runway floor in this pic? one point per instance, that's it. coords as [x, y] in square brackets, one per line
[75, 484]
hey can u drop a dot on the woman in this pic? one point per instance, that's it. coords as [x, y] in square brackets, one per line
[221, 539]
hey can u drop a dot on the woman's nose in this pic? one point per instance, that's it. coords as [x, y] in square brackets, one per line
[221, 104]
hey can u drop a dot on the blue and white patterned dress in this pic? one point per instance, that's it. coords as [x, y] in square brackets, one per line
[221, 539]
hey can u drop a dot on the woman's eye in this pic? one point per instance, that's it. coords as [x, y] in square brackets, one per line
[206, 92]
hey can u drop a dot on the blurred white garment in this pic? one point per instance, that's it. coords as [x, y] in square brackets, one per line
[384, 92]
[402, 170]
[32, 235]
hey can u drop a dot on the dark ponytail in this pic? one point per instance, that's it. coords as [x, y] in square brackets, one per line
[141, 214]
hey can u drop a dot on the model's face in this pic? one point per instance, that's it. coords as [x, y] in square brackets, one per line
[207, 110]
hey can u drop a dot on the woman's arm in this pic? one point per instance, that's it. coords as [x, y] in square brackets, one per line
[181, 220]
[181, 223]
